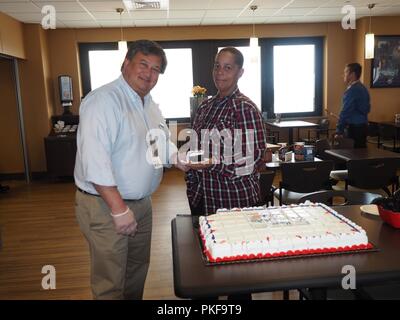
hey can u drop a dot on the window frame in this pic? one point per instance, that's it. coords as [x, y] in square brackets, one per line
[267, 74]
[203, 54]
[84, 49]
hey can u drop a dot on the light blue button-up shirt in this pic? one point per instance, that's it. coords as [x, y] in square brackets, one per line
[113, 141]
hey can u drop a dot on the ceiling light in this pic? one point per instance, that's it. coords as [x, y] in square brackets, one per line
[122, 45]
[253, 38]
[370, 37]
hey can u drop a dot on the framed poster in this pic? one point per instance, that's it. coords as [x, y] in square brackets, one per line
[385, 67]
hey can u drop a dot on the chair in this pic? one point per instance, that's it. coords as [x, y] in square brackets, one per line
[299, 178]
[373, 133]
[320, 132]
[372, 174]
[266, 187]
[271, 139]
[272, 136]
[387, 137]
[330, 197]
[320, 147]
[342, 143]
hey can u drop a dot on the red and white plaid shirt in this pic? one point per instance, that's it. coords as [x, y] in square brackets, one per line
[220, 186]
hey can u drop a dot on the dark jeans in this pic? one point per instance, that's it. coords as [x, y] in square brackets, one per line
[358, 132]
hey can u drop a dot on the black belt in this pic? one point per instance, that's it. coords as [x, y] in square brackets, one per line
[88, 193]
[97, 195]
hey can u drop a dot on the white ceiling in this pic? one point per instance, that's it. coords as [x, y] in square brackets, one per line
[101, 13]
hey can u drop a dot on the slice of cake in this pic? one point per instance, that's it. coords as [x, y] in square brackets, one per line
[259, 233]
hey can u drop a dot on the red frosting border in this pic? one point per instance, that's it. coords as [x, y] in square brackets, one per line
[289, 253]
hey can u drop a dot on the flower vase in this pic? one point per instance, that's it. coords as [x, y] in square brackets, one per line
[194, 105]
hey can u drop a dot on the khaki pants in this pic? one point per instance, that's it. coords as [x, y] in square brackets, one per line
[119, 263]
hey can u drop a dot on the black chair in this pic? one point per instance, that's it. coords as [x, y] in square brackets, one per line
[299, 178]
[373, 174]
[388, 137]
[271, 136]
[266, 187]
[319, 132]
[340, 172]
[271, 139]
[373, 133]
[330, 197]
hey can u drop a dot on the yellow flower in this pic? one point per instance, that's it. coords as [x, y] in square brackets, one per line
[198, 91]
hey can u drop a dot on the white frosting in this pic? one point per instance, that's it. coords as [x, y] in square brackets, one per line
[254, 231]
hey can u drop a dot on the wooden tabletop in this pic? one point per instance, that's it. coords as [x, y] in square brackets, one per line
[194, 279]
[361, 153]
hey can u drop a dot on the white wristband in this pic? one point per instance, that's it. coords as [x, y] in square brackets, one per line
[120, 214]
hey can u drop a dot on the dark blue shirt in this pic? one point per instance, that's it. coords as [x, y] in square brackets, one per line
[356, 107]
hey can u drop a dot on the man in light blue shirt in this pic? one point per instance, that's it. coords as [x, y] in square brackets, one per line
[115, 174]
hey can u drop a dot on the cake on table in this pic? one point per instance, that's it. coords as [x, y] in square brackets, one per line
[262, 233]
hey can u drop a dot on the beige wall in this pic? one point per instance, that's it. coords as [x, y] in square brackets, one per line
[385, 102]
[36, 91]
[11, 159]
[11, 37]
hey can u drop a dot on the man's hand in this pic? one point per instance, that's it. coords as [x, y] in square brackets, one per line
[179, 160]
[123, 217]
[125, 224]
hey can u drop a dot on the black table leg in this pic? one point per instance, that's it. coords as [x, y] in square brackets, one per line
[290, 136]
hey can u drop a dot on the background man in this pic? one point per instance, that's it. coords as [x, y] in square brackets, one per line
[355, 108]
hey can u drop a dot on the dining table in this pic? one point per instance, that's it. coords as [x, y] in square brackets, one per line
[361, 153]
[194, 278]
[290, 125]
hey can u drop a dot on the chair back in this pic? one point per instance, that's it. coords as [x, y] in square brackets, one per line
[372, 173]
[266, 188]
[373, 129]
[306, 177]
[330, 197]
[323, 124]
[320, 147]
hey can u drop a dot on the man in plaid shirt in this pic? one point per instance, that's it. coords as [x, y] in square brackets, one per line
[232, 181]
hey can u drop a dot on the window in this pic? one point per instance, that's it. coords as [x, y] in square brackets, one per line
[174, 87]
[295, 78]
[110, 62]
[292, 73]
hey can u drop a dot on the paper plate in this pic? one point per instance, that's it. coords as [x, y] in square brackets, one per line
[370, 209]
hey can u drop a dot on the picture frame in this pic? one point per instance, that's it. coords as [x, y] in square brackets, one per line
[385, 67]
